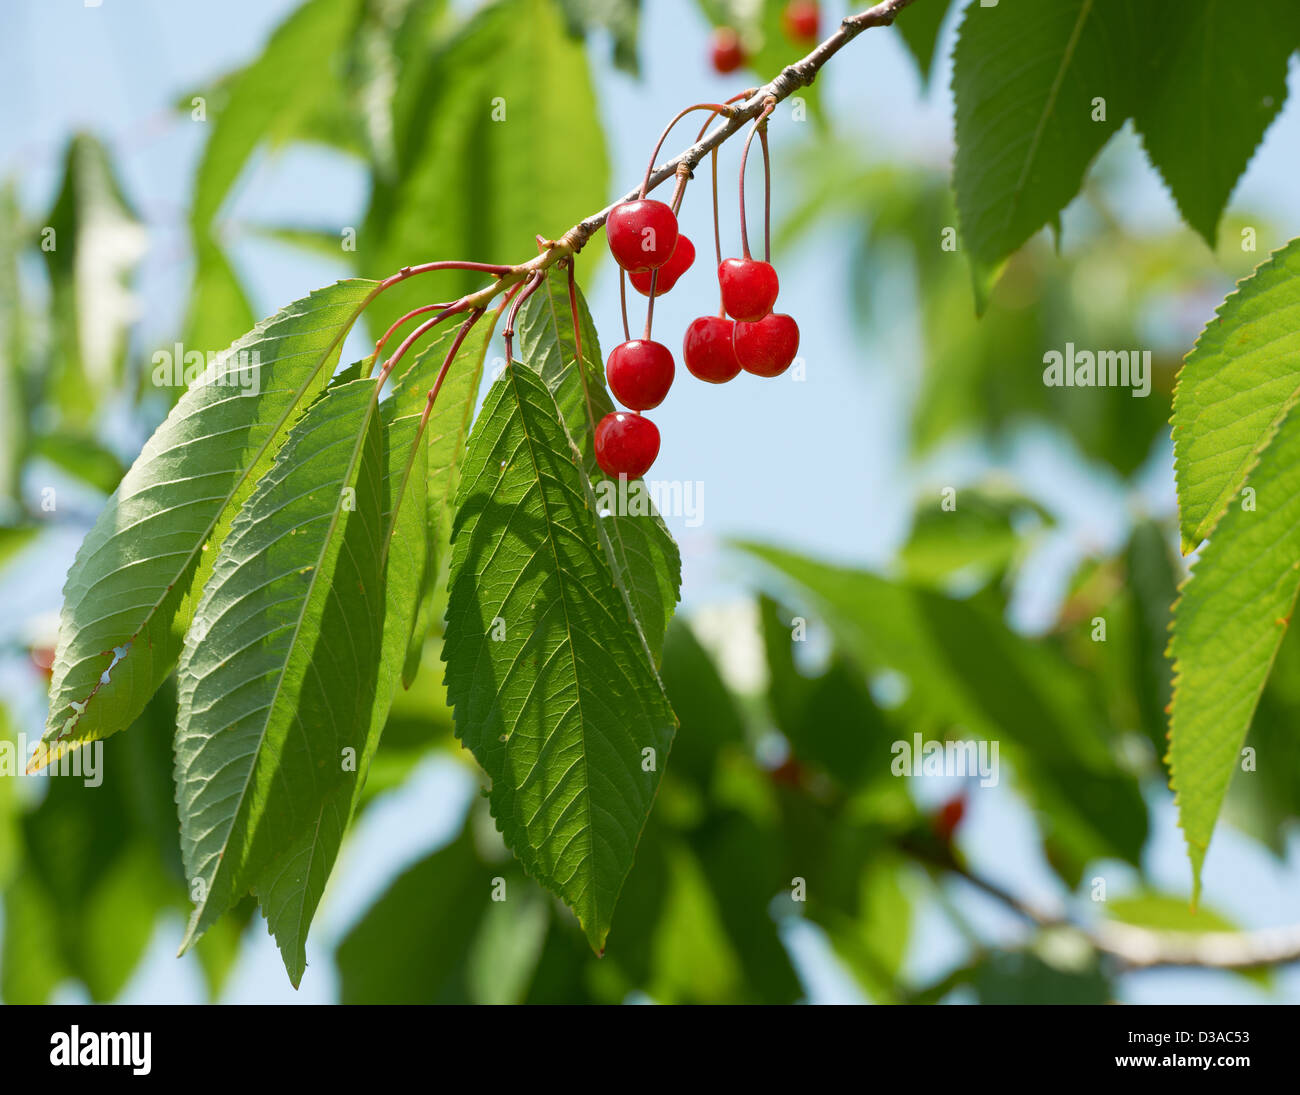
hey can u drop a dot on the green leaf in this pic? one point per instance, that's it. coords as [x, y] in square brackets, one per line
[647, 558]
[127, 589]
[410, 947]
[279, 674]
[13, 396]
[830, 720]
[554, 689]
[82, 457]
[445, 438]
[707, 712]
[920, 25]
[1019, 977]
[218, 307]
[95, 874]
[1151, 577]
[1165, 913]
[1218, 81]
[91, 241]
[489, 162]
[1024, 78]
[966, 669]
[620, 19]
[1238, 384]
[978, 539]
[1228, 625]
[271, 98]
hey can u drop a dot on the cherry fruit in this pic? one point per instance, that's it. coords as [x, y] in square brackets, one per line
[681, 261]
[640, 373]
[802, 20]
[626, 444]
[767, 347]
[707, 349]
[949, 817]
[727, 52]
[749, 288]
[642, 234]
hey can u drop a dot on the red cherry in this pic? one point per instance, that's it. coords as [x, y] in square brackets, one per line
[640, 373]
[642, 234]
[767, 347]
[749, 288]
[728, 53]
[802, 20]
[626, 444]
[949, 817]
[669, 272]
[707, 349]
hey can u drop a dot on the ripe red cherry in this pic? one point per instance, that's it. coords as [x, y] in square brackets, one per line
[640, 373]
[767, 347]
[669, 272]
[728, 54]
[707, 349]
[642, 234]
[626, 444]
[749, 288]
[949, 817]
[802, 20]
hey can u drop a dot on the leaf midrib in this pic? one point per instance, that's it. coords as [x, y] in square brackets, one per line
[337, 510]
[1049, 107]
[568, 627]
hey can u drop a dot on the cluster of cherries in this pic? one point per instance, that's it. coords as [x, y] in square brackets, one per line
[801, 21]
[745, 334]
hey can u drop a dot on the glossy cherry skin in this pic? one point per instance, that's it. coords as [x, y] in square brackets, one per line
[749, 288]
[802, 20]
[767, 347]
[726, 51]
[669, 272]
[707, 349]
[640, 373]
[642, 234]
[626, 444]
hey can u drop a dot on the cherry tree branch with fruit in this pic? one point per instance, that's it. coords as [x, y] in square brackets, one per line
[303, 538]
[644, 239]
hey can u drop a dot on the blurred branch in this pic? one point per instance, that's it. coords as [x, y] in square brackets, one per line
[791, 78]
[1134, 948]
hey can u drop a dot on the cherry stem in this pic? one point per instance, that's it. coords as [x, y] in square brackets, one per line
[767, 196]
[452, 351]
[761, 120]
[508, 335]
[413, 337]
[577, 347]
[426, 267]
[379, 346]
[717, 232]
[717, 108]
[622, 302]
[650, 308]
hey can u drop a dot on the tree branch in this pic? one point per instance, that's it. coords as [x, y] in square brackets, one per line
[793, 77]
[1134, 948]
